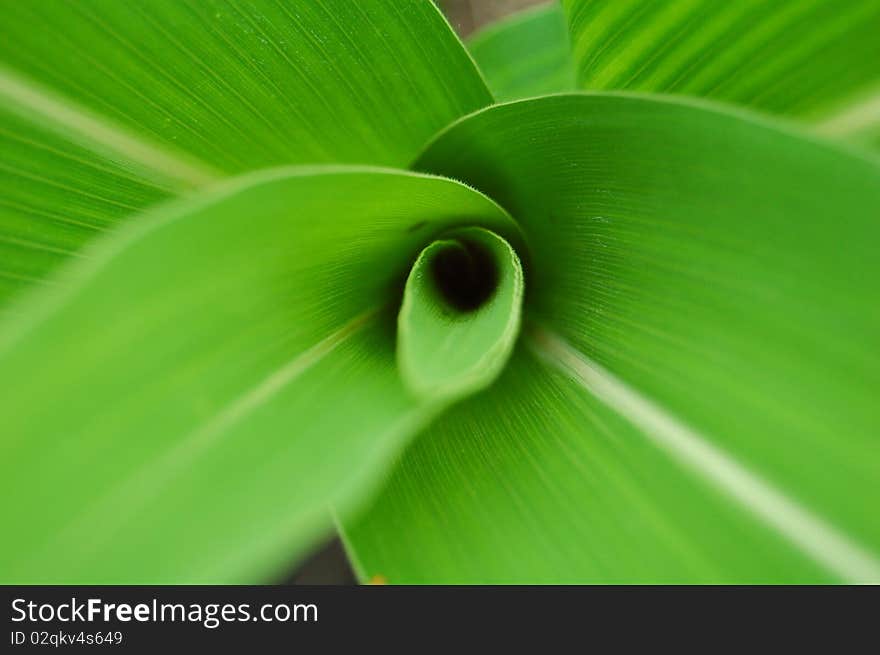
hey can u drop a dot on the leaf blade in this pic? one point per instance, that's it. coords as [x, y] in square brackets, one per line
[526, 54]
[366, 82]
[714, 261]
[58, 195]
[802, 59]
[136, 104]
[217, 358]
[813, 536]
[535, 482]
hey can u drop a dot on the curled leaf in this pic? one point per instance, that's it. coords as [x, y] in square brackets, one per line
[460, 314]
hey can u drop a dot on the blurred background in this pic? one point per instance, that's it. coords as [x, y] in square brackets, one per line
[469, 15]
[329, 565]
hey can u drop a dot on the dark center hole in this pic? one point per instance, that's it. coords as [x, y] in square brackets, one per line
[466, 275]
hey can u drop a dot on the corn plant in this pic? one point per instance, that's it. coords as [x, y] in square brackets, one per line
[590, 298]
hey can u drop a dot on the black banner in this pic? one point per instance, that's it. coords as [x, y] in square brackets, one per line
[108, 619]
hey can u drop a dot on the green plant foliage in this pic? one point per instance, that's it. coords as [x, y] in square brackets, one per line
[736, 337]
[460, 314]
[858, 122]
[526, 54]
[588, 337]
[109, 106]
[57, 195]
[186, 410]
[811, 59]
[241, 85]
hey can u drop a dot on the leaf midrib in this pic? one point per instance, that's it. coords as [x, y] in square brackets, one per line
[98, 134]
[137, 489]
[810, 534]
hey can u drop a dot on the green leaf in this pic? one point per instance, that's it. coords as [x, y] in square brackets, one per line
[174, 411]
[536, 481]
[705, 280]
[460, 314]
[526, 54]
[810, 59]
[858, 121]
[108, 107]
[56, 195]
[247, 85]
